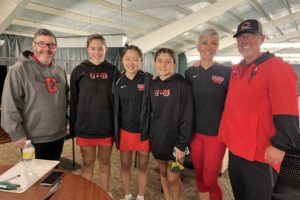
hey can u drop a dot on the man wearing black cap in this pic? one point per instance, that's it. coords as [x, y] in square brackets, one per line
[260, 120]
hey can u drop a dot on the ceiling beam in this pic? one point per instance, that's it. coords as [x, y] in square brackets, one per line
[229, 13]
[286, 37]
[281, 21]
[37, 25]
[9, 10]
[18, 33]
[229, 41]
[210, 23]
[258, 7]
[168, 32]
[288, 7]
[125, 11]
[135, 14]
[82, 18]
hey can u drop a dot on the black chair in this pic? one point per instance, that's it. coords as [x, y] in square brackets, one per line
[288, 183]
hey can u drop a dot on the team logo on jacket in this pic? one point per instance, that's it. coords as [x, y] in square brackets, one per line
[162, 92]
[217, 79]
[95, 75]
[140, 87]
[51, 85]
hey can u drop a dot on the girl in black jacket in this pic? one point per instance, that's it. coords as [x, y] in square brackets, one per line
[91, 109]
[132, 103]
[171, 120]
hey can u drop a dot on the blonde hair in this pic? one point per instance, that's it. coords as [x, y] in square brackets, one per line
[208, 32]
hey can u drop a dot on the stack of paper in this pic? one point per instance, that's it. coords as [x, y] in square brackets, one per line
[25, 177]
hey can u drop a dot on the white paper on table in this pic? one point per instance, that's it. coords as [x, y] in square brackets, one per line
[26, 180]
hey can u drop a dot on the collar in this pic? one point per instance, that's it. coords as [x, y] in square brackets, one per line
[37, 60]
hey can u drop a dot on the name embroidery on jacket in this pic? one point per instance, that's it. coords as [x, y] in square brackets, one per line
[162, 92]
[217, 79]
[95, 75]
[140, 87]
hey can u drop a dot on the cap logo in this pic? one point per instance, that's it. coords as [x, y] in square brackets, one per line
[246, 25]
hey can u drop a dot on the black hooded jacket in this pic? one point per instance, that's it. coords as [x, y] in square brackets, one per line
[171, 117]
[91, 102]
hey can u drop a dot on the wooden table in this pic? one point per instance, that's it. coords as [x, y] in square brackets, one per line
[73, 187]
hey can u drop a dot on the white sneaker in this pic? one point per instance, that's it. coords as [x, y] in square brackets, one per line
[128, 197]
[140, 197]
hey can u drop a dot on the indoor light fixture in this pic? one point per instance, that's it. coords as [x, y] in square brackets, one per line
[280, 45]
[2, 42]
[232, 59]
[112, 40]
[146, 4]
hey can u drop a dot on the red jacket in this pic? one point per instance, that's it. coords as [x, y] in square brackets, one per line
[261, 109]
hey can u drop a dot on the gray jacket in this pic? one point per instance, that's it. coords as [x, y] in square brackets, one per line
[34, 101]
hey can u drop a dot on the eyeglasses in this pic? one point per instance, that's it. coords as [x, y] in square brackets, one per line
[248, 36]
[44, 44]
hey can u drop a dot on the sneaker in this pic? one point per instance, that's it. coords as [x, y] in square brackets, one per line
[140, 197]
[128, 197]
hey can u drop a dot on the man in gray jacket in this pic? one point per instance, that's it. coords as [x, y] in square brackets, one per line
[34, 100]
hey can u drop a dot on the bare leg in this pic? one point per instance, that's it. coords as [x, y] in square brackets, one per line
[143, 158]
[175, 184]
[88, 154]
[126, 163]
[163, 167]
[104, 153]
[203, 195]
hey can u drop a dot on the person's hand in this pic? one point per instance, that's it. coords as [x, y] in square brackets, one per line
[274, 155]
[20, 142]
[179, 155]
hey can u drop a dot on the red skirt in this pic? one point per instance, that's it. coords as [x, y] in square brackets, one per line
[131, 142]
[94, 141]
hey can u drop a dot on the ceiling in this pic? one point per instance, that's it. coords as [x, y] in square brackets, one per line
[151, 24]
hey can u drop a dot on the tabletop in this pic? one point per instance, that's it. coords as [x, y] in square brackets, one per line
[73, 187]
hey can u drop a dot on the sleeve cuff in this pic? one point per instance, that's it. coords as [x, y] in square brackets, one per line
[181, 147]
[274, 144]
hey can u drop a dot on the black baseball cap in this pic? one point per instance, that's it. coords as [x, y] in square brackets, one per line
[249, 26]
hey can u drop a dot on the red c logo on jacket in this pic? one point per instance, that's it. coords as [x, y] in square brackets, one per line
[50, 85]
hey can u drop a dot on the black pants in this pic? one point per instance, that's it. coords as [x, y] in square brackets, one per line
[251, 180]
[49, 150]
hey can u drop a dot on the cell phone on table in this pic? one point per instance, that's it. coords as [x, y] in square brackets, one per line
[52, 178]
